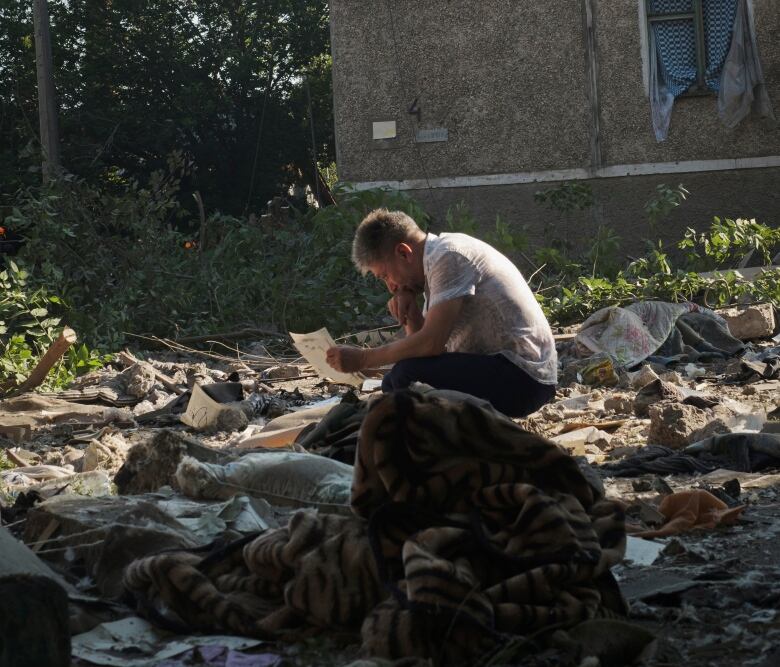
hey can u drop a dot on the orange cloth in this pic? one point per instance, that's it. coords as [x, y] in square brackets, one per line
[691, 509]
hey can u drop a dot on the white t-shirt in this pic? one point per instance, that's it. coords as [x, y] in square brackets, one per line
[500, 314]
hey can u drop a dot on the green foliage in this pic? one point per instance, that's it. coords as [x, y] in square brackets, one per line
[459, 219]
[728, 241]
[112, 254]
[569, 196]
[654, 277]
[28, 327]
[122, 258]
[663, 203]
[507, 240]
[119, 261]
[602, 253]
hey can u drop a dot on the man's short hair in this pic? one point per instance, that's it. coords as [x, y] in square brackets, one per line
[378, 234]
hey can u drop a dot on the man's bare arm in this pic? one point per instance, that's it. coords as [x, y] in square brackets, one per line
[403, 307]
[429, 341]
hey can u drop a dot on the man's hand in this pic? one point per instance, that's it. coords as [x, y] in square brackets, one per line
[346, 358]
[403, 307]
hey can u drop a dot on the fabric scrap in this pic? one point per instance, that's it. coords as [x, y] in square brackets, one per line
[742, 85]
[692, 509]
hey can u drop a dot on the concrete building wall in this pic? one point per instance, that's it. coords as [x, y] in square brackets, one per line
[755, 193]
[512, 83]
[484, 70]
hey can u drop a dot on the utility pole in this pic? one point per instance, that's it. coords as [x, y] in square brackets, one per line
[47, 107]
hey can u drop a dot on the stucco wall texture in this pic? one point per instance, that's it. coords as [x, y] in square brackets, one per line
[619, 204]
[509, 82]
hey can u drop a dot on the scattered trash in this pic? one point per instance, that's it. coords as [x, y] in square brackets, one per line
[133, 642]
[205, 456]
[694, 371]
[289, 479]
[215, 406]
[599, 373]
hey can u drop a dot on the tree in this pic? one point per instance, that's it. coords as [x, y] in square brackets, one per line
[219, 80]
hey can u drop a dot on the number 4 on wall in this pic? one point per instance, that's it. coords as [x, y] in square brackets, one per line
[414, 109]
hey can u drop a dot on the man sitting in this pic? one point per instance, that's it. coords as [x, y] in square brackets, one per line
[480, 331]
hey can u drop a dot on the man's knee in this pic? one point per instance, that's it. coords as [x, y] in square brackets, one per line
[400, 377]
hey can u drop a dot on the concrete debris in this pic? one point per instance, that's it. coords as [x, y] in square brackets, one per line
[642, 377]
[575, 441]
[653, 393]
[140, 380]
[750, 322]
[173, 453]
[621, 404]
[152, 464]
[673, 424]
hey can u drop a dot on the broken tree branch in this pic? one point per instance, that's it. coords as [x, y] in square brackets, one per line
[227, 335]
[51, 357]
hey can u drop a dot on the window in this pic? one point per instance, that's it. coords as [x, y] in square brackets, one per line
[691, 39]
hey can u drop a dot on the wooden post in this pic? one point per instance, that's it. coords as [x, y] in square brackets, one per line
[47, 108]
[52, 356]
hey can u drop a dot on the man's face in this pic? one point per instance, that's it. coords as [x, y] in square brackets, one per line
[399, 271]
[390, 274]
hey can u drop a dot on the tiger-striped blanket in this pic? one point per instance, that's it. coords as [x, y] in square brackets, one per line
[467, 530]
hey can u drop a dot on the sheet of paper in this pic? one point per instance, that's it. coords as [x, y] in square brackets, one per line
[314, 346]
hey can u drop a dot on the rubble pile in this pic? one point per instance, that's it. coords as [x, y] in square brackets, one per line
[169, 453]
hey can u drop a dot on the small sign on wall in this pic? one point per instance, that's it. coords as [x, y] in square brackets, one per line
[384, 129]
[431, 135]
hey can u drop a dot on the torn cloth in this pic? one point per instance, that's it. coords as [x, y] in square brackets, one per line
[695, 508]
[631, 334]
[741, 452]
[732, 64]
[742, 86]
[466, 529]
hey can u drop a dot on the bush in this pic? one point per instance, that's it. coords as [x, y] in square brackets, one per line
[123, 258]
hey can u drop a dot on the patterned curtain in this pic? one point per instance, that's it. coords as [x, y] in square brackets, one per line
[675, 41]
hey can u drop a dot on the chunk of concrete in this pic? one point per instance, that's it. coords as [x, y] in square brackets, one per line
[654, 392]
[748, 322]
[621, 404]
[673, 424]
[152, 464]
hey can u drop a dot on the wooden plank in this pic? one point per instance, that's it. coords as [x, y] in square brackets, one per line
[51, 357]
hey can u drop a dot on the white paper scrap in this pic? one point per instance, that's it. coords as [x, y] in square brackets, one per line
[314, 347]
[132, 642]
[643, 552]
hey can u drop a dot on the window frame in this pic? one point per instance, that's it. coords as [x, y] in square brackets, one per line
[699, 88]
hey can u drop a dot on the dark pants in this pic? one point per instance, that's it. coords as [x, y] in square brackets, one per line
[492, 377]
